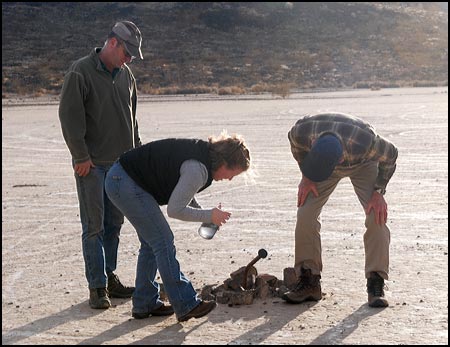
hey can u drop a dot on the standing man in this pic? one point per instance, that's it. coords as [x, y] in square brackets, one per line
[98, 120]
[329, 147]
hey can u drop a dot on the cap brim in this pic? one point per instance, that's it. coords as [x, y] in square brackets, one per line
[316, 169]
[132, 50]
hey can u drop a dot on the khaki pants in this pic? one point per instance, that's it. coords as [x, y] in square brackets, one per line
[308, 249]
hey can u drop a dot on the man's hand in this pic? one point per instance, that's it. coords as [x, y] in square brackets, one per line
[379, 206]
[82, 169]
[305, 186]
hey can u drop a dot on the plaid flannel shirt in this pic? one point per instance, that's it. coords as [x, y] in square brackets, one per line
[359, 140]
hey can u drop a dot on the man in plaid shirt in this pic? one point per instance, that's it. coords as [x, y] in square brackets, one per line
[329, 147]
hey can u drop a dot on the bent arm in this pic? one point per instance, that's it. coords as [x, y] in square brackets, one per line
[182, 204]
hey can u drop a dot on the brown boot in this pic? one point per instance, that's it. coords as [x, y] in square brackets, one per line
[117, 289]
[308, 289]
[375, 290]
[201, 310]
[163, 310]
[98, 298]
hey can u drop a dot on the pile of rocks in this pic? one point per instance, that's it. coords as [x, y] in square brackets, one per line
[236, 290]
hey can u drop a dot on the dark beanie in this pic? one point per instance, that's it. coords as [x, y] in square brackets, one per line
[321, 160]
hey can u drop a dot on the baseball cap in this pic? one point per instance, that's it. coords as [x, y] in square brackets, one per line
[321, 160]
[131, 36]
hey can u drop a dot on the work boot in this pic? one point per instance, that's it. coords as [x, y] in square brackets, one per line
[375, 290]
[307, 289]
[98, 298]
[117, 289]
[162, 310]
[201, 310]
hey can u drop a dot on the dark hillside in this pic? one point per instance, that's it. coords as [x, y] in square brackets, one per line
[206, 46]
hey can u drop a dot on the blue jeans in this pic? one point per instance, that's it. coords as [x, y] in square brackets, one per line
[101, 222]
[157, 250]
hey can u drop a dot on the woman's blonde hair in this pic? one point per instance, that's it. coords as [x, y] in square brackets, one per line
[230, 150]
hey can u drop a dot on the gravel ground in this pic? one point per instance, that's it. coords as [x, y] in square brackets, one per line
[44, 292]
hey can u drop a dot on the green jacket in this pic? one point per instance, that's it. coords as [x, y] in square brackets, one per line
[98, 111]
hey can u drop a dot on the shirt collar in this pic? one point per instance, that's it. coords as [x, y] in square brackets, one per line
[100, 65]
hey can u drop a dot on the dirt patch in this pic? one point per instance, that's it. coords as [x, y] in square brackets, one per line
[44, 292]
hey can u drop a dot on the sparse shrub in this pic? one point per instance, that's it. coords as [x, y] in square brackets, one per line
[375, 85]
[224, 91]
[282, 89]
[361, 85]
[424, 84]
[175, 90]
[233, 90]
[260, 88]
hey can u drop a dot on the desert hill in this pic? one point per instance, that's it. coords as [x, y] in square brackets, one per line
[248, 46]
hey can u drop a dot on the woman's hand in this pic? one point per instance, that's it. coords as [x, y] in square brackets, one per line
[220, 217]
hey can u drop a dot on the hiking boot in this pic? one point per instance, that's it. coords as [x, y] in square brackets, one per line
[308, 289]
[201, 310]
[98, 298]
[117, 289]
[162, 310]
[375, 290]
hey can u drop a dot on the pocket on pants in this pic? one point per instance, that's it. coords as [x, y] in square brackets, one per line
[112, 186]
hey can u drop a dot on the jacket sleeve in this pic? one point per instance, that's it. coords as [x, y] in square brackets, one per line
[386, 154]
[298, 151]
[72, 116]
[137, 139]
